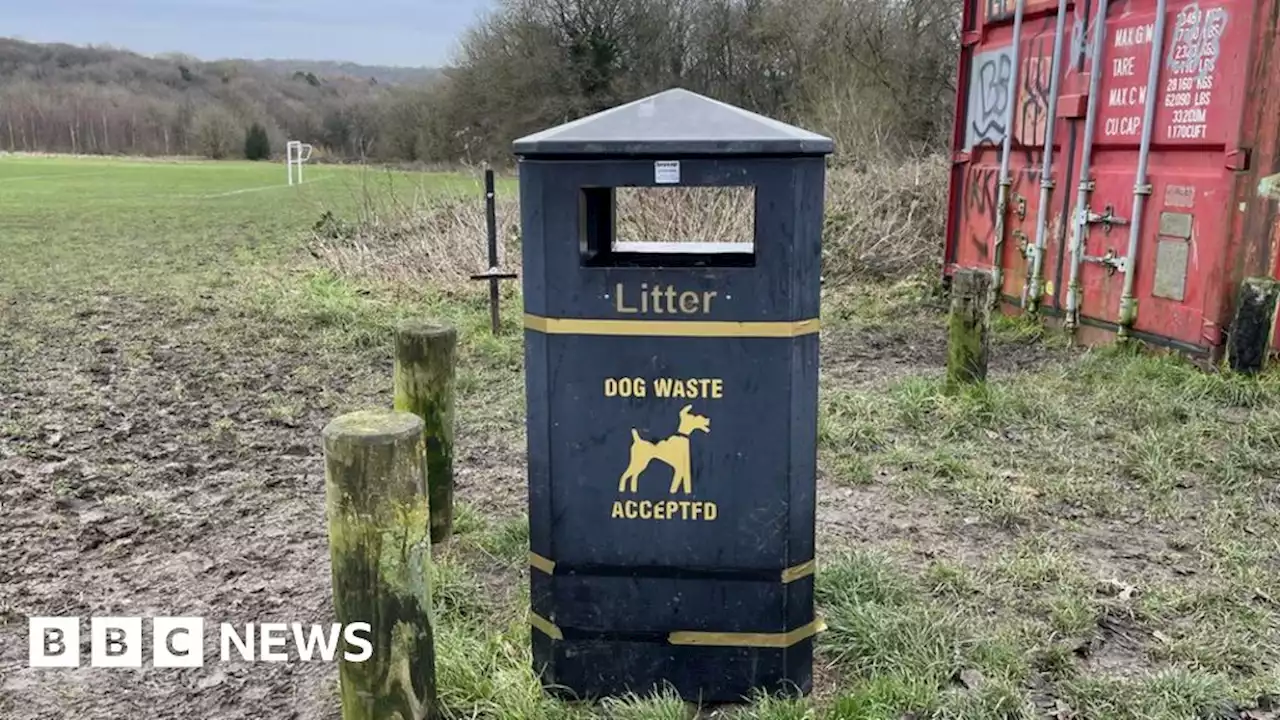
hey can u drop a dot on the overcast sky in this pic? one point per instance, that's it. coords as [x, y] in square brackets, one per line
[373, 32]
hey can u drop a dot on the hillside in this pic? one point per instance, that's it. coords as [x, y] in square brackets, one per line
[876, 77]
[385, 75]
[66, 98]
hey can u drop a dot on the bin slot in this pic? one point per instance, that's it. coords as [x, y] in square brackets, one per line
[687, 226]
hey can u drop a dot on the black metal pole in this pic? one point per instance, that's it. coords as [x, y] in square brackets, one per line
[490, 216]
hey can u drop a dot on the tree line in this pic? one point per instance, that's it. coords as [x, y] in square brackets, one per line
[874, 74]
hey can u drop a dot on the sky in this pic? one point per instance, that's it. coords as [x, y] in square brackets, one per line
[371, 32]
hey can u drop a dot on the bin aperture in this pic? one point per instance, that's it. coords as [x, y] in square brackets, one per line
[681, 219]
[677, 226]
[672, 405]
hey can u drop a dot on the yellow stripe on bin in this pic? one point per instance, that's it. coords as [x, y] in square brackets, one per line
[547, 627]
[765, 640]
[671, 328]
[545, 565]
[803, 570]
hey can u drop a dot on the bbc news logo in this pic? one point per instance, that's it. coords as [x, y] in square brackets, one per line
[179, 642]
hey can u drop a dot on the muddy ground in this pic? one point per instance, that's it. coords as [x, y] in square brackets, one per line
[153, 464]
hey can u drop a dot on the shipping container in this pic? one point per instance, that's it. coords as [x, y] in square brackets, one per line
[1132, 146]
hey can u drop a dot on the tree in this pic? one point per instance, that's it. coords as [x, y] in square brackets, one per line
[257, 146]
[216, 132]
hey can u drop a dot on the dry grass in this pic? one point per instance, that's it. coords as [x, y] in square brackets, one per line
[686, 214]
[431, 236]
[887, 220]
[884, 220]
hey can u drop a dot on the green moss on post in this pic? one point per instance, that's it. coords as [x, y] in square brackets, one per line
[1249, 342]
[970, 328]
[424, 386]
[376, 501]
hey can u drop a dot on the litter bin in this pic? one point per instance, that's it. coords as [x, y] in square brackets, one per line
[672, 394]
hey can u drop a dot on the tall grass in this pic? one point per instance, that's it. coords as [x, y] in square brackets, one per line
[883, 219]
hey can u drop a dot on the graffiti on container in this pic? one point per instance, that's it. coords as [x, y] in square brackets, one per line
[1197, 35]
[981, 200]
[1081, 47]
[989, 97]
[1192, 61]
[1033, 121]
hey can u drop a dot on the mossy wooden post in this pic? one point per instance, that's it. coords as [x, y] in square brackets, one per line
[970, 328]
[1250, 339]
[376, 501]
[424, 386]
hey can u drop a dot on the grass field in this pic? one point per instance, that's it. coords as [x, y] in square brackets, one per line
[1090, 535]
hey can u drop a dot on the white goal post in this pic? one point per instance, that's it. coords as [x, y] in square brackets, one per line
[296, 153]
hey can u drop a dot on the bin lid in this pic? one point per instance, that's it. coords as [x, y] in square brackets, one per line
[674, 122]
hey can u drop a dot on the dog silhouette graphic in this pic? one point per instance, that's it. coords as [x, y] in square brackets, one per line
[673, 451]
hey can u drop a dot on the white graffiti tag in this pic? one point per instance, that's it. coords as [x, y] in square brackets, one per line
[1197, 40]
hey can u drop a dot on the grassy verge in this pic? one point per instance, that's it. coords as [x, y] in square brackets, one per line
[1089, 535]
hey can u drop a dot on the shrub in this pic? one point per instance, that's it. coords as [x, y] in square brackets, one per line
[257, 146]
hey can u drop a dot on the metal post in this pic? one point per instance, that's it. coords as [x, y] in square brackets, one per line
[1031, 290]
[1080, 224]
[1141, 188]
[491, 223]
[1006, 181]
[493, 275]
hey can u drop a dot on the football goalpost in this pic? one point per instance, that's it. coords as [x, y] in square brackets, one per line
[296, 153]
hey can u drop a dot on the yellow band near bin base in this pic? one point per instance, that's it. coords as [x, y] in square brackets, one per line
[544, 625]
[803, 570]
[538, 562]
[762, 640]
[709, 639]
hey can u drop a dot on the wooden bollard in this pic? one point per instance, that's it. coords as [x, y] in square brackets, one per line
[376, 500]
[1249, 342]
[970, 328]
[424, 386]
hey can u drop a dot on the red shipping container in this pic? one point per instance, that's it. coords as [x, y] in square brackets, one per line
[1178, 166]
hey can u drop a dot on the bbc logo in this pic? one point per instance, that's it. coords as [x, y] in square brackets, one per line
[116, 642]
[178, 642]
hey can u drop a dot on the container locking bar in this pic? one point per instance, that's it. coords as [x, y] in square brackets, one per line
[1107, 219]
[1114, 263]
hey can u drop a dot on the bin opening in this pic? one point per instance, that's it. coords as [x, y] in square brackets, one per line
[688, 226]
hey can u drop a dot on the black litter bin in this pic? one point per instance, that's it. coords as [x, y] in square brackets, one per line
[672, 407]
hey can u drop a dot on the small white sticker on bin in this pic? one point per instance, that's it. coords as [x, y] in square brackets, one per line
[666, 172]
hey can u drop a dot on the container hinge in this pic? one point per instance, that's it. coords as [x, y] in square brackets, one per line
[1238, 159]
[1107, 219]
[1112, 262]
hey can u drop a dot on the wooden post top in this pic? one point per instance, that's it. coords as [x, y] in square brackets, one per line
[426, 328]
[374, 427]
